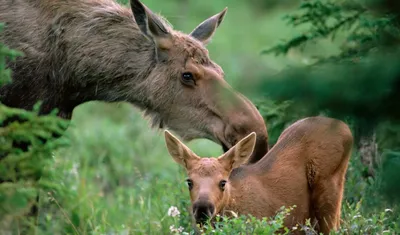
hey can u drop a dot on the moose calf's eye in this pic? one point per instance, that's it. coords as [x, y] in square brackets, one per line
[222, 184]
[189, 183]
[188, 79]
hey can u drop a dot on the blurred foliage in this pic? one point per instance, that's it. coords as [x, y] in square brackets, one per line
[345, 89]
[364, 30]
[328, 84]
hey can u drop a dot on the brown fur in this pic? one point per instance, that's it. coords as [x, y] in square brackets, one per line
[83, 50]
[305, 168]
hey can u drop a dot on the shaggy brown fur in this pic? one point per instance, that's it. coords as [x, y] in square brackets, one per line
[83, 50]
[305, 168]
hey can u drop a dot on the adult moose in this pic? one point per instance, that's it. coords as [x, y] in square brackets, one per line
[306, 168]
[83, 50]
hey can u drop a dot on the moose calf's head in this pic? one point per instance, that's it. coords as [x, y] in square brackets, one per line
[188, 93]
[208, 178]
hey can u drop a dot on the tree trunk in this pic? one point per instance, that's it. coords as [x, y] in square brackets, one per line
[368, 149]
[365, 139]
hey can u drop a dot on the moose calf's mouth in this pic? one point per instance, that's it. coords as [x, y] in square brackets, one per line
[202, 212]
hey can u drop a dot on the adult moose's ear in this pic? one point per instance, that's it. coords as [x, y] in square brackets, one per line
[179, 151]
[204, 31]
[151, 25]
[240, 153]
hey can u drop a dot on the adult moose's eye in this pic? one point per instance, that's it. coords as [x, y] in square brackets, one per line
[188, 79]
[222, 184]
[189, 183]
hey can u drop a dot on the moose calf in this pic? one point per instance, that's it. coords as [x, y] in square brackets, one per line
[305, 168]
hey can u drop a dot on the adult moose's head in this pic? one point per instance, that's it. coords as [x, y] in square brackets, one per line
[188, 88]
[79, 51]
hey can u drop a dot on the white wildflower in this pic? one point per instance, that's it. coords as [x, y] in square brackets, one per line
[175, 230]
[173, 211]
[387, 210]
[74, 169]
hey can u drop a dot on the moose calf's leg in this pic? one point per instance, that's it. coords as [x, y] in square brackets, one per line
[326, 200]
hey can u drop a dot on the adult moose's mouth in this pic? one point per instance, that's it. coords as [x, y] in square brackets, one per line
[224, 144]
[224, 147]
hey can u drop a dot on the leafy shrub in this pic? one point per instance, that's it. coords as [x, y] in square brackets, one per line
[354, 222]
[27, 142]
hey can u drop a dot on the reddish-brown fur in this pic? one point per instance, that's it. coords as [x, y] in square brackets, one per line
[305, 168]
[83, 50]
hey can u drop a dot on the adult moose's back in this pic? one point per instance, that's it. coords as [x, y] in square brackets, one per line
[82, 50]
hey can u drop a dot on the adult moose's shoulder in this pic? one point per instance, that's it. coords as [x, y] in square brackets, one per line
[85, 50]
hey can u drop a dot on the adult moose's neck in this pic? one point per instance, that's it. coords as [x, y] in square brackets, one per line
[115, 64]
[261, 148]
[102, 56]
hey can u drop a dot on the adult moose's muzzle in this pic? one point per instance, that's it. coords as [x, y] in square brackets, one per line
[240, 117]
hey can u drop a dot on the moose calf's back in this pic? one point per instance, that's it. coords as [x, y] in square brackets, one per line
[305, 168]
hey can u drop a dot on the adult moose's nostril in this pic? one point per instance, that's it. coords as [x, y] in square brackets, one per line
[202, 211]
[224, 147]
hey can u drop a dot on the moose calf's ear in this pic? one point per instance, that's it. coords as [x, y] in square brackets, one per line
[204, 31]
[239, 153]
[179, 151]
[151, 25]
